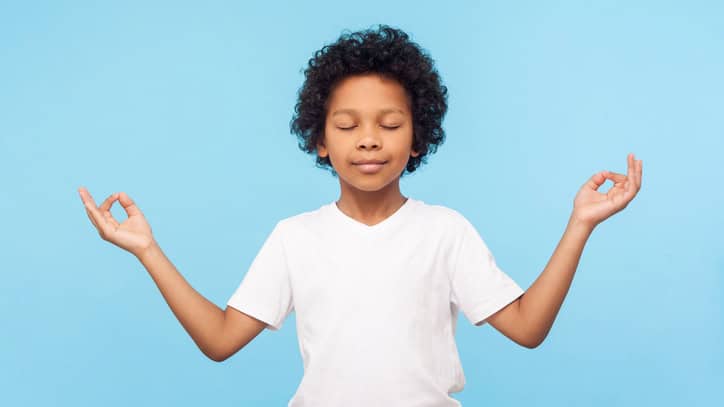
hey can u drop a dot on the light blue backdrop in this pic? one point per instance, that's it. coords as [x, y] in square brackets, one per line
[186, 107]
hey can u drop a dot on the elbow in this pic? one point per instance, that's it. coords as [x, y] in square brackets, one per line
[532, 344]
[537, 342]
[217, 359]
[215, 356]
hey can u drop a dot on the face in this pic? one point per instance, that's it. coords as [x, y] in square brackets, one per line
[368, 118]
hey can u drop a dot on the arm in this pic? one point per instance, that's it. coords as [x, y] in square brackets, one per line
[218, 334]
[528, 319]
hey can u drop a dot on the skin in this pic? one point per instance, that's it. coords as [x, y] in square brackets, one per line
[361, 111]
[217, 333]
[372, 198]
[528, 319]
[368, 198]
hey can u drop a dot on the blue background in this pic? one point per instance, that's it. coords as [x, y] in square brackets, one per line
[186, 108]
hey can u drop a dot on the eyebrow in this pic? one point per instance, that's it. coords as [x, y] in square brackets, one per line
[383, 111]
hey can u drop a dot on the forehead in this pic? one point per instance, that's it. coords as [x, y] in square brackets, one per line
[368, 92]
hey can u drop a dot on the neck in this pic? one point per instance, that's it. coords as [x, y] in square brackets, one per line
[371, 206]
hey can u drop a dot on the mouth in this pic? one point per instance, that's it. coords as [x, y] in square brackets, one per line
[371, 167]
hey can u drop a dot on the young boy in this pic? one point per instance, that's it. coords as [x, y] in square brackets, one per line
[376, 278]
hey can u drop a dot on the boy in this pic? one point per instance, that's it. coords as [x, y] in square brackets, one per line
[376, 278]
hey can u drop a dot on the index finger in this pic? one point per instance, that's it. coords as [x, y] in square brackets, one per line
[616, 177]
[106, 205]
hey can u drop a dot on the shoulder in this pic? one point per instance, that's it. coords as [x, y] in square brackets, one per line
[298, 224]
[445, 223]
[443, 216]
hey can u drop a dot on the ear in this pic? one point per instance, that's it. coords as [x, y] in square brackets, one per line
[413, 152]
[322, 149]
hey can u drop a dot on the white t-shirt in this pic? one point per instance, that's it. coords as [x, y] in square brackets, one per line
[376, 306]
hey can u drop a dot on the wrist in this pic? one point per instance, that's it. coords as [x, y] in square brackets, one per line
[580, 225]
[150, 251]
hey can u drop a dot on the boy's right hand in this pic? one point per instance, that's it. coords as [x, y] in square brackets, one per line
[133, 235]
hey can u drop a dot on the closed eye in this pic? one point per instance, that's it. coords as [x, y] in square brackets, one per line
[384, 127]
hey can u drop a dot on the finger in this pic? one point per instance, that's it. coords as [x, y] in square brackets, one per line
[105, 209]
[86, 197]
[106, 205]
[596, 180]
[87, 211]
[634, 180]
[110, 219]
[639, 174]
[89, 203]
[101, 222]
[629, 175]
[616, 177]
[128, 204]
[97, 218]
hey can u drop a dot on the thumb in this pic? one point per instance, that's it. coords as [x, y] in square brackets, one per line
[128, 204]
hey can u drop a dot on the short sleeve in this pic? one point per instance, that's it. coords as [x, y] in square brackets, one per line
[265, 291]
[478, 286]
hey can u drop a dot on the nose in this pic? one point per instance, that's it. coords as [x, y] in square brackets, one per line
[369, 141]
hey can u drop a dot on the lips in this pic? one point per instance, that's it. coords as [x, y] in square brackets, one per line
[369, 162]
[370, 167]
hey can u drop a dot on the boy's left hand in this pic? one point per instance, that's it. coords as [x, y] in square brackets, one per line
[592, 207]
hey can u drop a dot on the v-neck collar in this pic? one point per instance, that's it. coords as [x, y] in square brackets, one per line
[354, 223]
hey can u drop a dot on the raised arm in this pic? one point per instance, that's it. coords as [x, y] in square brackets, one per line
[528, 319]
[218, 333]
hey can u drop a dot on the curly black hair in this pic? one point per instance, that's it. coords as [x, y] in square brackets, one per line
[385, 51]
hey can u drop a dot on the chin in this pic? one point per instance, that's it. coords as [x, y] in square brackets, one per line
[370, 184]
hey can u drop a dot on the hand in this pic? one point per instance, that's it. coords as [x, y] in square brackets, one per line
[592, 207]
[133, 235]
